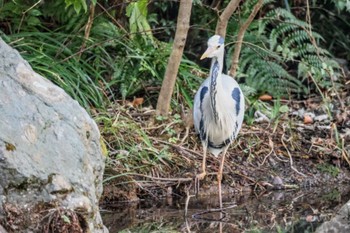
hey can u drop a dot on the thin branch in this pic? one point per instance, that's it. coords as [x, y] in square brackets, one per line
[313, 41]
[188, 197]
[179, 179]
[112, 18]
[25, 12]
[198, 215]
[240, 36]
[290, 158]
[225, 16]
[88, 28]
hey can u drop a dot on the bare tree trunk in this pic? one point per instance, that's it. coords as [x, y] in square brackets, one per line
[240, 36]
[183, 24]
[225, 16]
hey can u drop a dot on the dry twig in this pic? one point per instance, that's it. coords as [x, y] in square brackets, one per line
[290, 158]
[240, 36]
[225, 16]
[88, 28]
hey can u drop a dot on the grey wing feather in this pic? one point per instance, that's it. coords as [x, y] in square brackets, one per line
[197, 114]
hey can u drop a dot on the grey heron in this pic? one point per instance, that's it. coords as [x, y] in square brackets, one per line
[218, 109]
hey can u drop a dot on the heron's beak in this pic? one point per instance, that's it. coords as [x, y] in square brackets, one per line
[207, 52]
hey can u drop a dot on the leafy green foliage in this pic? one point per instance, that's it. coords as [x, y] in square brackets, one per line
[19, 14]
[333, 195]
[77, 4]
[279, 53]
[267, 75]
[137, 13]
[139, 63]
[342, 4]
[275, 43]
[103, 67]
[49, 56]
[298, 43]
[336, 37]
[330, 169]
[130, 145]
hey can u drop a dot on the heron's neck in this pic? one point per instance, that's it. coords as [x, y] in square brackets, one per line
[215, 84]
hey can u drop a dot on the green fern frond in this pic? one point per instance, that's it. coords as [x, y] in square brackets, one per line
[294, 38]
[293, 41]
[267, 74]
[312, 60]
[305, 48]
[248, 90]
[282, 15]
[280, 31]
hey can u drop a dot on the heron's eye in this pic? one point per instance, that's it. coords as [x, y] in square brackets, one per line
[217, 47]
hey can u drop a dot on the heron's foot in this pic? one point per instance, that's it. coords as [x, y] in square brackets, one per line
[201, 176]
[198, 178]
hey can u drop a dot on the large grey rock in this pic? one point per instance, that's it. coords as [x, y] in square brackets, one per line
[339, 223]
[49, 146]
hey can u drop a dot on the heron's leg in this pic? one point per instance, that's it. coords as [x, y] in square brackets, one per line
[201, 175]
[204, 164]
[221, 168]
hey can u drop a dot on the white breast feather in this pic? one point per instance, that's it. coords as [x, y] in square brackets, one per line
[219, 131]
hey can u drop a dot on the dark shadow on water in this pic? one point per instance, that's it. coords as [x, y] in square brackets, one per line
[274, 211]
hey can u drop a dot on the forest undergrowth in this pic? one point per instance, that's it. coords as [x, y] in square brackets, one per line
[301, 147]
[111, 57]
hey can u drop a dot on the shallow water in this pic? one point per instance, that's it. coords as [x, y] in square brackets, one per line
[273, 211]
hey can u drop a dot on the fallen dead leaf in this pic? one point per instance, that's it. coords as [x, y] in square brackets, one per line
[137, 102]
[308, 119]
[265, 97]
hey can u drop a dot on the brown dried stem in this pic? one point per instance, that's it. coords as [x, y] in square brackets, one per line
[225, 16]
[88, 28]
[240, 36]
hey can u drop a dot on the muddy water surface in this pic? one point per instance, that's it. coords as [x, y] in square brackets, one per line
[274, 211]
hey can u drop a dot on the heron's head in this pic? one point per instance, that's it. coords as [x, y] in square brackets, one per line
[215, 46]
